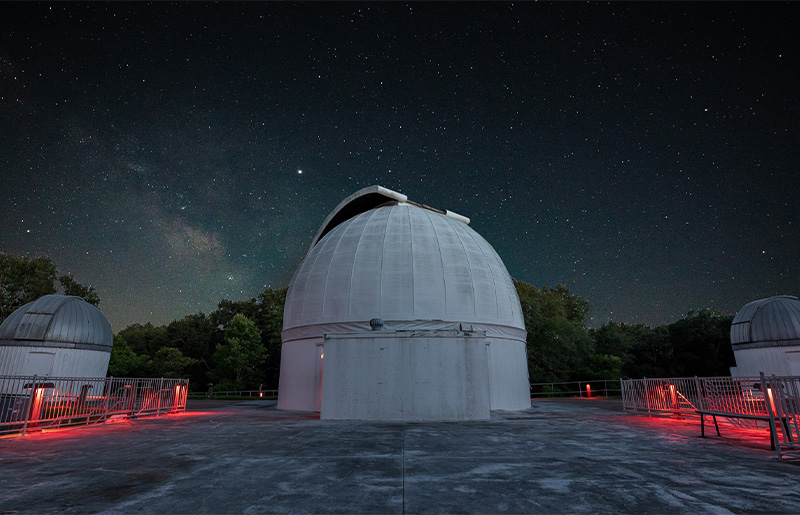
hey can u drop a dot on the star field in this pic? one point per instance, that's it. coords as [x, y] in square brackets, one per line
[171, 155]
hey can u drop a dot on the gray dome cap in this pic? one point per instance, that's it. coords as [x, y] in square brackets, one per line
[770, 322]
[58, 321]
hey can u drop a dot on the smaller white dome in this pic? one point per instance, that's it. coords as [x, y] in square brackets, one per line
[770, 322]
[60, 321]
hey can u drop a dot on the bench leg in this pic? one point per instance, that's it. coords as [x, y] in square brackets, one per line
[786, 430]
[703, 425]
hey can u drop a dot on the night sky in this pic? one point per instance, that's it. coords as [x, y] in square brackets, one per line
[172, 155]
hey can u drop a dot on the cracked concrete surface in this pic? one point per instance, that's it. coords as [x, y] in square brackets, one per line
[558, 457]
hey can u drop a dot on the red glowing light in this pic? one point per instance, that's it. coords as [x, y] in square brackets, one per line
[772, 402]
[588, 391]
[260, 394]
[36, 408]
[181, 392]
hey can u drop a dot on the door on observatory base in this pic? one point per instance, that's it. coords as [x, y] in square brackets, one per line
[318, 375]
[39, 364]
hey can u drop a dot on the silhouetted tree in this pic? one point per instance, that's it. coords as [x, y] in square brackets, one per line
[23, 280]
[197, 338]
[125, 362]
[702, 345]
[558, 343]
[170, 362]
[145, 339]
[238, 360]
[73, 287]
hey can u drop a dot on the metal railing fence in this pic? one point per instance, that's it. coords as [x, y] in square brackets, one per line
[761, 400]
[686, 395]
[783, 395]
[676, 395]
[36, 402]
[597, 388]
[238, 393]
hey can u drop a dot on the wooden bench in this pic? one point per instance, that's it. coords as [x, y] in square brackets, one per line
[747, 416]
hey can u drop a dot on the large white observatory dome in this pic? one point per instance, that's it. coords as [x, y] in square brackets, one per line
[405, 265]
[765, 335]
[392, 290]
[56, 336]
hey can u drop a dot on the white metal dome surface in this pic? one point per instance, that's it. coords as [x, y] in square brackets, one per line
[60, 321]
[412, 267]
[770, 322]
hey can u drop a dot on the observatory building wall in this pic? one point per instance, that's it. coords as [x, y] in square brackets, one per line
[770, 360]
[427, 375]
[301, 375]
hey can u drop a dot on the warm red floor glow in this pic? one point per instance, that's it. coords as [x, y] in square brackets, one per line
[689, 427]
[194, 413]
[112, 423]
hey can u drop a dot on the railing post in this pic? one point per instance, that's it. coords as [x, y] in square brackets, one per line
[701, 399]
[158, 404]
[109, 380]
[134, 395]
[773, 431]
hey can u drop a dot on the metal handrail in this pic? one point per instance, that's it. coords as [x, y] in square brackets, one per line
[759, 400]
[596, 388]
[37, 402]
[240, 393]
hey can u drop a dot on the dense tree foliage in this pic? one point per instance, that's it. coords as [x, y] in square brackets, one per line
[73, 287]
[165, 362]
[125, 362]
[237, 346]
[562, 348]
[696, 345]
[24, 280]
[240, 356]
[559, 344]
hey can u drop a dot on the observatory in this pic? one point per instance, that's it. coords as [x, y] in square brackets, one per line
[765, 335]
[56, 336]
[401, 312]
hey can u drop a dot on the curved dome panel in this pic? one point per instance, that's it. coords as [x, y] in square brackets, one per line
[403, 263]
[774, 320]
[58, 321]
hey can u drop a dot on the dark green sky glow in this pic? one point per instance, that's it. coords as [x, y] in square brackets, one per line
[645, 155]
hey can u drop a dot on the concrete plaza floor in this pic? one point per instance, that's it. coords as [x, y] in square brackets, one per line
[579, 456]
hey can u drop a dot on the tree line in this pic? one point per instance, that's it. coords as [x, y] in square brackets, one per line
[235, 347]
[238, 345]
[23, 280]
[562, 348]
